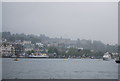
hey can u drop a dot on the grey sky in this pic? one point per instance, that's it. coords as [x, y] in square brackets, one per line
[94, 21]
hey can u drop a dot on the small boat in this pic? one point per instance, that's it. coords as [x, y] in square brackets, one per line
[117, 60]
[106, 56]
[13, 56]
[16, 59]
[65, 59]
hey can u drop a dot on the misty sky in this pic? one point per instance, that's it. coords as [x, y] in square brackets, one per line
[94, 21]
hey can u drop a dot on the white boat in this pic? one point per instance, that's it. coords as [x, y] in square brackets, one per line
[13, 56]
[107, 56]
[38, 56]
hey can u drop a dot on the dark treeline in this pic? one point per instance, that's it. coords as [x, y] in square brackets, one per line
[13, 37]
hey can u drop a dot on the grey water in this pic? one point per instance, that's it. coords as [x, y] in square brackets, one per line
[28, 68]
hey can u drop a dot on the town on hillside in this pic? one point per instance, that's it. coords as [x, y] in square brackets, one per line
[28, 46]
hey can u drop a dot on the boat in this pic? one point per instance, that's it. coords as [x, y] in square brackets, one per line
[38, 56]
[16, 59]
[117, 60]
[107, 56]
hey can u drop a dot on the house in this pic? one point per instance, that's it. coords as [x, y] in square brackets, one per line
[7, 50]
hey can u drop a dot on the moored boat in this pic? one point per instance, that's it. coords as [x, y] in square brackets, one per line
[106, 56]
[117, 60]
[38, 56]
[16, 59]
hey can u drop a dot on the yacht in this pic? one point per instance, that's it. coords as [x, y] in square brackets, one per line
[106, 56]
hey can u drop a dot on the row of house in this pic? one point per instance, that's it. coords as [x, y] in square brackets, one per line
[19, 46]
[11, 48]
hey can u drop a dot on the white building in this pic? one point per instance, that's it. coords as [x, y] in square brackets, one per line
[7, 50]
[40, 44]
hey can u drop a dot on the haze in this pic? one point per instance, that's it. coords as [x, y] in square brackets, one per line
[94, 21]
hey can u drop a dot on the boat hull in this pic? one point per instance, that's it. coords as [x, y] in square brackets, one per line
[117, 61]
[38, 56]
[106, 59]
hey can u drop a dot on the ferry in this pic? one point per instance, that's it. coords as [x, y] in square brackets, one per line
[38, 56]
[106, 56]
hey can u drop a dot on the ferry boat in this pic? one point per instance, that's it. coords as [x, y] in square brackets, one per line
[38, 56]
[106, 56]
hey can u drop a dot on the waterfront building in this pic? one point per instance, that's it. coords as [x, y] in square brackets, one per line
[7, 50]
[40, 44]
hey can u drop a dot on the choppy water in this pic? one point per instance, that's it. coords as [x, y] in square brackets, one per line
[59, 69]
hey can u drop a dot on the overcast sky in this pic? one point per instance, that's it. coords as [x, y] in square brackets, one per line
[94, 21]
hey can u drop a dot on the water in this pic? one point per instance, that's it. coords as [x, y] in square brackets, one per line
[59, 69]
